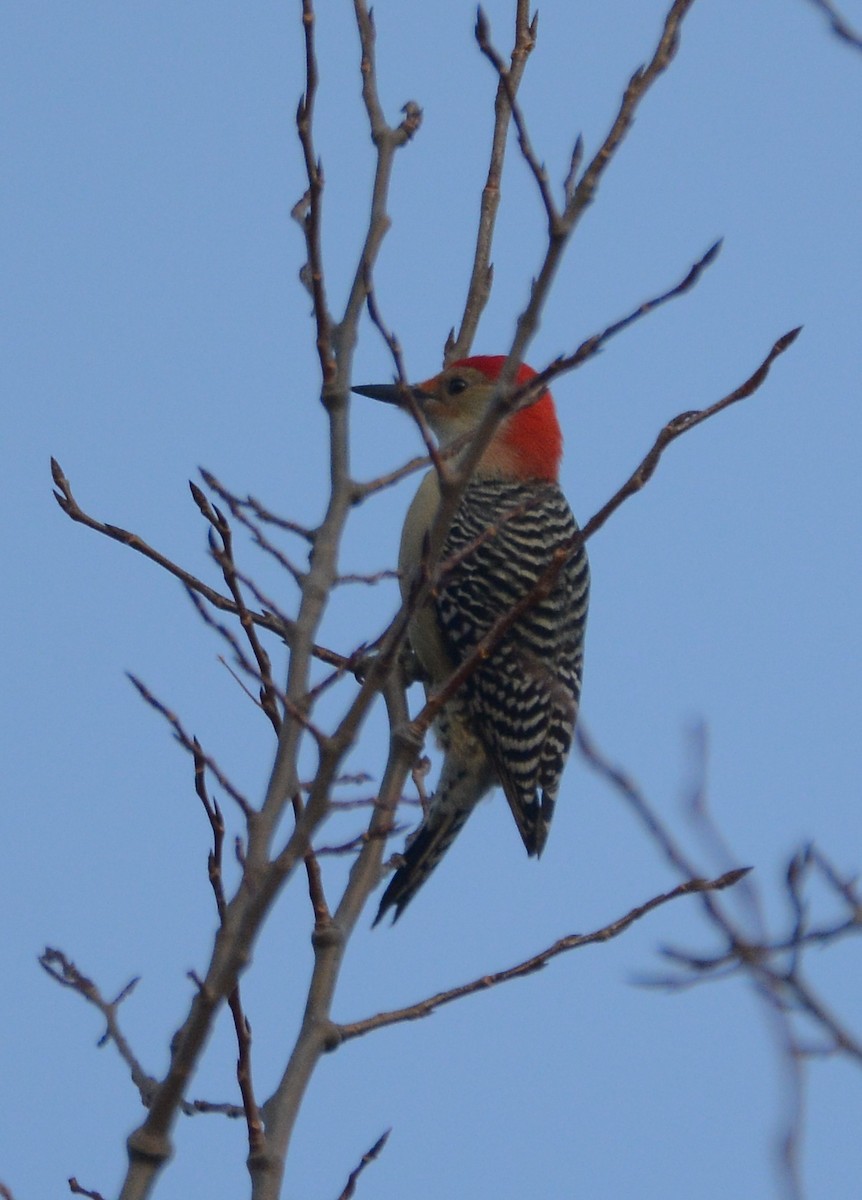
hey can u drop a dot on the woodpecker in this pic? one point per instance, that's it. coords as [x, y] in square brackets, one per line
[511, 722]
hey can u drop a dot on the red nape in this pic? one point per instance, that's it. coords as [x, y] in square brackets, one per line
[532, 434]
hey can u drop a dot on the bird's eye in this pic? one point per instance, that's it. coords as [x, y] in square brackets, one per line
[456, 385]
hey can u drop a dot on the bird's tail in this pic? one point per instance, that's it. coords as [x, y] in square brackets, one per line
[420, 857]
[532, 817]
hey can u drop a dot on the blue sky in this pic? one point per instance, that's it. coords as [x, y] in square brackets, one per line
[154, 323]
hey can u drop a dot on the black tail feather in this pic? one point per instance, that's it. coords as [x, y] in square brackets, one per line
[419, 859]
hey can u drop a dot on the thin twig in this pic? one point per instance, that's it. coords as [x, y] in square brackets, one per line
[276, 623]
[237, 510]
[242, 1028]
[63, 971]
[592, 345]
[838, 24]
[358, 842]
[77, 1190]
[368, 1157]
[682, 424]
[536, 962]
[192, 745]
[308, 211]
[482, 272]
[538, 170]
[238, 503]
[639, 84]
[370, 578]
[244, 663]
[316, 894]
[847, 888]
[223, 554]
[773, 965]
[361, 491]
[408, 400]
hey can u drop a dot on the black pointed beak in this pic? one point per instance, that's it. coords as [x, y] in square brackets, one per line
[389, 393]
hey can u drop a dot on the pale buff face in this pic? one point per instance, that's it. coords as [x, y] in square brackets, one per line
[455, 401]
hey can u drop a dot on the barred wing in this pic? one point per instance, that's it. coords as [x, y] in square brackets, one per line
[523, 699]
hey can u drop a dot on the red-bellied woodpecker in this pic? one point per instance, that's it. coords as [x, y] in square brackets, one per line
[511, 721]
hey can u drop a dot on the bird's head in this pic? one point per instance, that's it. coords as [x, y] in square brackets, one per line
[527, 445]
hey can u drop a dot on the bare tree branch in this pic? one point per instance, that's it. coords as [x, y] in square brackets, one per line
[267, 620]
[368, 1157]
[242, 1028]
[77, 1190]
[773, 965]
[538, 170]
[268, 707]
[63, 971]
[482, 273]
[682, 424]
[639, 84]
[237, 509]
[192, 745]
[597, 341]
[574, 941]
[408, 399]
[316, 894]
[308, 211]
[362, 491]
[838, 24]
[261, 512]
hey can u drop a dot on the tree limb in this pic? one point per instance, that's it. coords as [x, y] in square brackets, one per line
[574, 941]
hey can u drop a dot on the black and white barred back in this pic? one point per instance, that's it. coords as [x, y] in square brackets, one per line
[523, 700]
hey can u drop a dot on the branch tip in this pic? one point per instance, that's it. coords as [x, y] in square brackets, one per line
[368, 1157]
[788, 339]
[731, 877]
